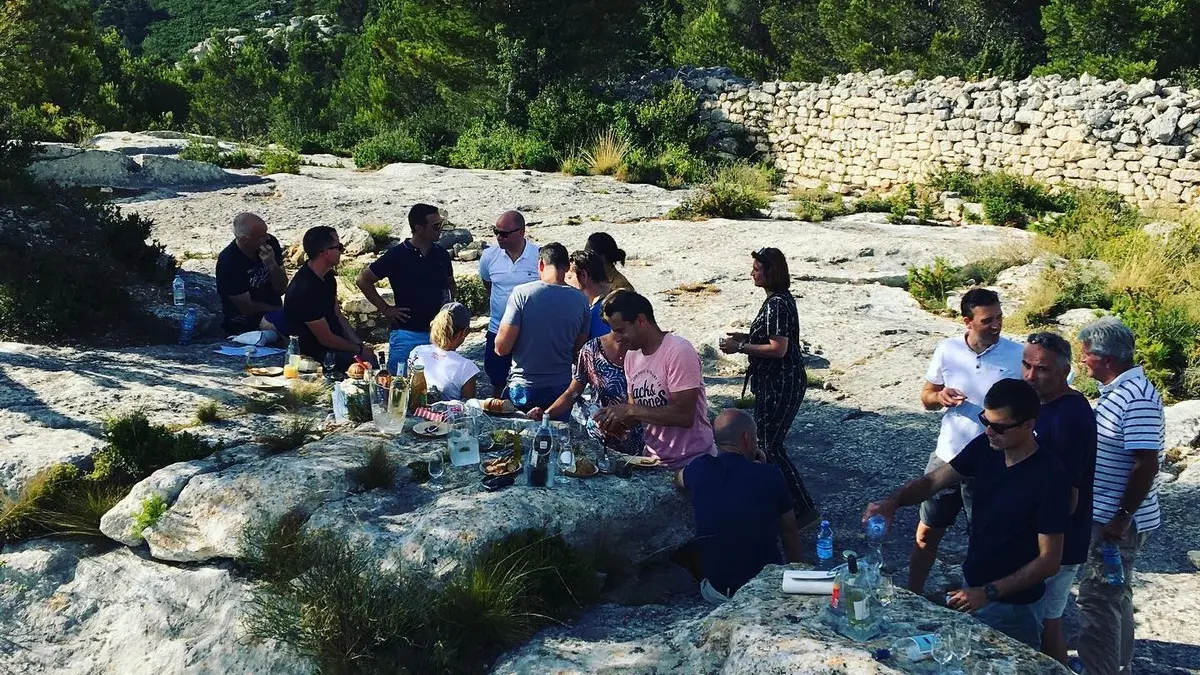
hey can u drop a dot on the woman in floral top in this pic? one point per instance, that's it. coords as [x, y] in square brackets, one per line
[776, 375]
[600, 364]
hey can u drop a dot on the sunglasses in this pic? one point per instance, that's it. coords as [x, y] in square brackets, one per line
[504, 233]
[1044, 341]
[340, 247]
[998, 427]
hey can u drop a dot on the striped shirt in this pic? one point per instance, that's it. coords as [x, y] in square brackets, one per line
[1129, 420]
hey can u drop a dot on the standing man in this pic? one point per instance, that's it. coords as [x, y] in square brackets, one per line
[1018, 517]
[512, 262]
[250, 278]
[311, 306]
[743, 508]
[1130, 437]
[1066, 425]
[588, 275]
[543, 328]
[961, 372]
[422, 280]
[666, 385]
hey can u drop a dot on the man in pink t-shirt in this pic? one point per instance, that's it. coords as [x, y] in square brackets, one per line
[666, 385]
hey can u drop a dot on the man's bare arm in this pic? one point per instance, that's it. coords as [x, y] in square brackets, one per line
[246, 306]
[680, 410]
[1039, 569]
[789, 534]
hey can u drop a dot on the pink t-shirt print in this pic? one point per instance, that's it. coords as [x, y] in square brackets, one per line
[675, 366]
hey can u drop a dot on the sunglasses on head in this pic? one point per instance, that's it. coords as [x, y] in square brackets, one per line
[998, 427]
[504, 233]
[1045, 342]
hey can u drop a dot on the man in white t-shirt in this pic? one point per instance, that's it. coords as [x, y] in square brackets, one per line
[512, 262]
[962, 370]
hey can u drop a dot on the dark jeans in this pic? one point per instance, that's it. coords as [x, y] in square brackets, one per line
[496, 367]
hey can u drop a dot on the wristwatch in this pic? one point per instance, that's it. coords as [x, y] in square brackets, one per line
[741, 346]
[1123, 512]
[992, 594]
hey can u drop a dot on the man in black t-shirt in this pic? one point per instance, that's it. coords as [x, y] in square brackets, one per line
[1067, 425]
[311, 306]
[250, 278]
[422, 281]
[1019, 514]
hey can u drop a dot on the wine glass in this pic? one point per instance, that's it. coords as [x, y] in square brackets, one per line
[437, 467]
[960, 634]
[886, 591]
[943, 649]
[566, 455]
[329, 365]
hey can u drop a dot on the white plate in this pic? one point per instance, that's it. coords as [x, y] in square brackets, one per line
[431, 429]
[265, 383]
[266, 371]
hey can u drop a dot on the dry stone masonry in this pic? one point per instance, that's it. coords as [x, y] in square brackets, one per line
[874, 131]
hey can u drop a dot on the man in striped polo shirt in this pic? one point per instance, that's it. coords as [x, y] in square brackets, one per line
[1129, 440]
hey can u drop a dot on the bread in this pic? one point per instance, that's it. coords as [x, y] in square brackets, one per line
[497, 405]
[356, 371]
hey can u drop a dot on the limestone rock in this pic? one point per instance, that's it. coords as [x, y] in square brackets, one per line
[91, 168]
[356, 240]
[1162, 128]
[1183, 424]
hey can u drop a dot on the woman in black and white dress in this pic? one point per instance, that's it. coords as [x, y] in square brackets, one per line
[776, 375]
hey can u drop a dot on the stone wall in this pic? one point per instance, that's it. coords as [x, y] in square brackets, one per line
[874, 132]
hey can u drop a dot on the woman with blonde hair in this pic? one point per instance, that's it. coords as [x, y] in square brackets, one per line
[450, 372]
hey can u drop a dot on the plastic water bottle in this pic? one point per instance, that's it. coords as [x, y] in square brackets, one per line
[1114, 571]
[825, 546]
[876, 528]
[179, 290]
[188, 328]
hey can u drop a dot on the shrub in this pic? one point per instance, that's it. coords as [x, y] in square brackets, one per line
[1009, 200]
[378, 470]
[929, 286]
[955, 180]
[737, 191]
[358, 407]
[470, 292]
[389, 147]
[500, 146]
[136, 448]
[276, 552]
[574, 166]
[1094, 220]
[1074, 286]
[902, 202]
[984, 272]
[606, 153]
[381, 234]
[201, 151]
[153, 508]
[668, 117]
[280, 161]
[292, 434]
[872, 202]
[566, 115]
[818, 204]
[1167, 332]
[671, 168]
[208, 412]
[239, 158]
[78, 508]
[18, 517]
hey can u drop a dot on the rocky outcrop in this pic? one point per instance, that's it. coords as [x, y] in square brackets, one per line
[760, 632]
[72, 166]
[1183, 425]
[875, 131]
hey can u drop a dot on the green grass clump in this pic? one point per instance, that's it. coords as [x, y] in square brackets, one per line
[58, 500]
[471, 293]
[606, 153]
[332, 602]
[280, 160]
[292, 434]
[18, 517]
[208, 412]
[872, 202]
[153, 508]
[737, 191]
[136, 448]
[817, 205]
[1057, 290]
[381, 233]
[201, 151]
[501, 146]
[378, 470]
[358, 407]
[574, 165]
[930, 285]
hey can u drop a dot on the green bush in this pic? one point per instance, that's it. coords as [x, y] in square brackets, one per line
[673, 167]
[1095, 219]
[208, 412]
[1010, 200]
[280, 161]
[669, 117]
[1074, 286]
[983, 272]
[153, 508]
[500, 146]
[929, 286]
[737, 191]
[1167, 332]
[239, 158]
[470, 292]
[568, 115]
[955, 180]
[201, 151]
[381, 234]
[389, 147]
[818, 204]
[136, 448]
[574, 165]
[872, 202]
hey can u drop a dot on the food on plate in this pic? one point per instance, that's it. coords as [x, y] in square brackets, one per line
[266, 371]
[643, 461]
[501, 466]
[356, 371]
[498, 406]
[584, 467]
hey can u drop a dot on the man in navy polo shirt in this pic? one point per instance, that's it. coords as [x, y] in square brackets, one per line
[1021, 500]
[743, 508]
[422, 281]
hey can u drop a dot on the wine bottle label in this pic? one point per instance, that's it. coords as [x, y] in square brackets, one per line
[862, 610]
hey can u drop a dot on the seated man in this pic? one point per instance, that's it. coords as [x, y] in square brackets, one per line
[1021, 506]
[666, 385]
[311, 307]
[544, 326]
[743, 509]
[250, 278]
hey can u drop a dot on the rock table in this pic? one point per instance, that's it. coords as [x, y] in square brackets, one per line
[759, 631]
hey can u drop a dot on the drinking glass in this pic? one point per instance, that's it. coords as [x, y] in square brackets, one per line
[943, 649]
[960, 635]
[886, 592]
[437, 467]
[329, 365]
[564, 452]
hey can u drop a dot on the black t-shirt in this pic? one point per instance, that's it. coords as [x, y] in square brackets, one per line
[419, 282]
[309, 298]
[1011, 506]
[1067, 425]
[776, 318]
[237, 274]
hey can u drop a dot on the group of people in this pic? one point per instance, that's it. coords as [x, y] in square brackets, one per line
[1043, 479]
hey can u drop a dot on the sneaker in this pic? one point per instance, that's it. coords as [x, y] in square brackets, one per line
[1075, 664]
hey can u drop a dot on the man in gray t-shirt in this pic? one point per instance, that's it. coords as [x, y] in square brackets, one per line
[544, 325]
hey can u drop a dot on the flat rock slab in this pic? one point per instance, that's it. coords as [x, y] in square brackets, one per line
[71, 609]
[760, 632]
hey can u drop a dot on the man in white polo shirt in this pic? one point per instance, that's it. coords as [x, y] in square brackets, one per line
[962, 370]
[1130, 435]
[512, 262]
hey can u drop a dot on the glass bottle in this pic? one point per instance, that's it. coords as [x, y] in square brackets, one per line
[418, 390]
[542, 455]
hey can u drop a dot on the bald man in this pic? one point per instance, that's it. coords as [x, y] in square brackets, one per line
[250, 278]
[743, 508]
[512, 262]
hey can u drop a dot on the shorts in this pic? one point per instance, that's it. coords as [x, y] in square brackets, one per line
[1058, 589]
[941, 510]
[1022, 623]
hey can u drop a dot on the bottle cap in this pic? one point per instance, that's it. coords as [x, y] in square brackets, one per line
[824, 523]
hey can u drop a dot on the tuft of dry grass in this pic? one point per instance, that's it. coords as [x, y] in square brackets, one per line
[378, 470]
[701, 288]
[208, 412]
[607, 153]
[291, 435]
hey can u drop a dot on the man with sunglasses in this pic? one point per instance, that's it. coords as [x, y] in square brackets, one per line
[310, 305]
[1066, 425]
[512, 262]
[422, 280]
[959, 375]
[1019, 515]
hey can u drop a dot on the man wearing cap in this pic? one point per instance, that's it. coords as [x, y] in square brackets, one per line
[422, 280]
[451, 373]
[512, 262]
